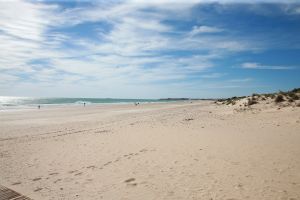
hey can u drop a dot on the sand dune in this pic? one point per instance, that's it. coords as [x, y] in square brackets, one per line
[184, 150]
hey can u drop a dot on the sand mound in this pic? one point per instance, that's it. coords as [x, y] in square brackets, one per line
[263, 101]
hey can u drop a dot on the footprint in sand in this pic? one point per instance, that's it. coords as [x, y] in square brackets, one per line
[78, 174]
[143, 150]
[57, 180]
[16, 183]
[37, 189]
[102, 131]
[107, 163]
[54, 173]
[130, 182]
[239, 186]
[36, 179]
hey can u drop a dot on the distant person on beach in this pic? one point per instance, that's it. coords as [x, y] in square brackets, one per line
[39, 106]
[84, 104]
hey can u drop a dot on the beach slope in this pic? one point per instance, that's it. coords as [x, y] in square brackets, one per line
[182, 150]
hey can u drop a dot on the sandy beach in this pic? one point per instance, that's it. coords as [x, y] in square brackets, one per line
[181, 150]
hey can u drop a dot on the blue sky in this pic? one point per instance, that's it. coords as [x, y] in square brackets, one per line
[148, 49]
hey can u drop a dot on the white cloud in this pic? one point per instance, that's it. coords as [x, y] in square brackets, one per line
[134, 50]
[240, 80]
[7, 78]
[24, 34]
[25, 20]
[210, 1]
[251, 65]
[213, 75]
[204, 29]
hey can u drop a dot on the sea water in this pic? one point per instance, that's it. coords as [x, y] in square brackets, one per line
[9, 102]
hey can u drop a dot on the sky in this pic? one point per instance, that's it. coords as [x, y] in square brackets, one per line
[148, 49]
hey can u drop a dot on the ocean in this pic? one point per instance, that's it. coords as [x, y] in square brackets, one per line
[8, 102]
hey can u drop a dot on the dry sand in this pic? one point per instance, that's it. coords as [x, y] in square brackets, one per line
[170, 151]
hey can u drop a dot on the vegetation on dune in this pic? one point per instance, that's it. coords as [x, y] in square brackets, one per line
[296, 90]
[279, 98]
[293, 96]
[252, 101]
[289, 96]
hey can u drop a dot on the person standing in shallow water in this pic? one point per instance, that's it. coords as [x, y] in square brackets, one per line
[39, 106]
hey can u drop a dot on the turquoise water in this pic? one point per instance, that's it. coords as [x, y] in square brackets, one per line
[21, 102]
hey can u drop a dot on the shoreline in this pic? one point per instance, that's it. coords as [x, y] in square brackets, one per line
[76, 105]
